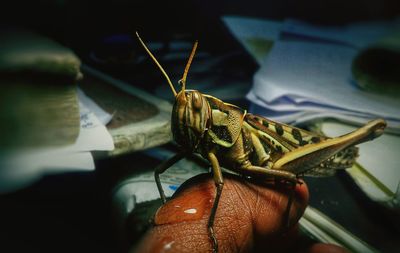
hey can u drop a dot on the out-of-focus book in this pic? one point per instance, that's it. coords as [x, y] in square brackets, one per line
[54, 117]
[47, 123]
[38, 97]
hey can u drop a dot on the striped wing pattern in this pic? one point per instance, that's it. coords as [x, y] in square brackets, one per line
[282, 138]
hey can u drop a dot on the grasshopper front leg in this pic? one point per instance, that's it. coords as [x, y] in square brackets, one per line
[219, 183]
[162, 168]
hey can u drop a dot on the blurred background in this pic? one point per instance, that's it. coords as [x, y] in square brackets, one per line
[99, 208]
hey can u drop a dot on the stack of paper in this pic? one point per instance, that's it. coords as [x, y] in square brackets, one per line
[308, 80]
[21, 168]
[307, 73]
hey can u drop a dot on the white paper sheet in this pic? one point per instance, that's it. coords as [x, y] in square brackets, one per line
[103, 116]
[244, 27]
[358, 35]
[247, 29]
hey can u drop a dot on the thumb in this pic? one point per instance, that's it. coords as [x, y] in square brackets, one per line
[247, 214]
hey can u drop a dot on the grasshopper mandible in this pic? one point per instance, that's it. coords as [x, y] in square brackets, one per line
[251, 145]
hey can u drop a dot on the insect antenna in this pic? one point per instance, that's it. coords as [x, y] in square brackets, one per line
[183, 79]
[158, 64]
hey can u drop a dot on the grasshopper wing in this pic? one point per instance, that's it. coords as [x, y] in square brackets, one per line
[281, 137]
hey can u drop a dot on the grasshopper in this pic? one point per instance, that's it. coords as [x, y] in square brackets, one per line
[251, 145]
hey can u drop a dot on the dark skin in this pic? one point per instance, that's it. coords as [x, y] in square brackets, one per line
[250, 218]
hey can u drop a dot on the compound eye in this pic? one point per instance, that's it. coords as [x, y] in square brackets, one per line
[196, 101]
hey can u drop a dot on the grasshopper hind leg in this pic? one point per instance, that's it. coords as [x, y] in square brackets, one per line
[266, 170]
[289, 204]
[270, 173]
[287, 176]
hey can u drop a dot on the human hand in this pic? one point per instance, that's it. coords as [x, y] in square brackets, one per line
[250, 217]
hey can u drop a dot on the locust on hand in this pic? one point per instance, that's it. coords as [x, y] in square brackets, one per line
[250, 145]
